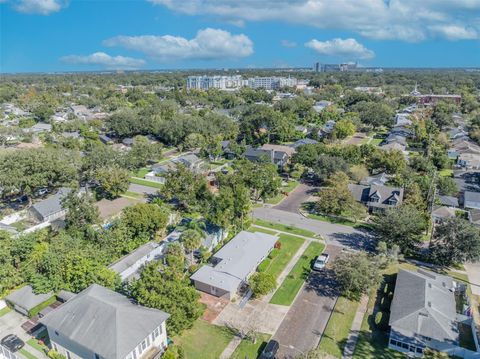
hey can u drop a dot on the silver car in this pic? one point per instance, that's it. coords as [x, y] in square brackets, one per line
[321, 261]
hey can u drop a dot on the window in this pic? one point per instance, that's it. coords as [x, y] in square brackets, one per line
[68, 354]
[156, 333]
[142, 346]
[129, 356]
[404, 345]
[393, 342]
[419, 350]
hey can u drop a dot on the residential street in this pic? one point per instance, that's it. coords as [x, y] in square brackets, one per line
[308, 316]
[334, 234]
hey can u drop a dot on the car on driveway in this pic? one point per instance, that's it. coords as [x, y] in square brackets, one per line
[321, 261]
[12, 343]
[270, 350]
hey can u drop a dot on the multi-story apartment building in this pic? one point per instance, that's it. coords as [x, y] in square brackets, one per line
[235, 82]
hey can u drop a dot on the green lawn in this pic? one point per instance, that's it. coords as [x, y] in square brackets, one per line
[145, 182]
[21, 225]
[142, 172]
[27, 354]
[133, 194]
[446, 173]
[204, 340]
[289, 246]
[247, 349]
[284, 228]
[4, 311]
[286, 293]
[35, 310]
[291, 185]
[261, 230]
[339, 325]
[35, 344]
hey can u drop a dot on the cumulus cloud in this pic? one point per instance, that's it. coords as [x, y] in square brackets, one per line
[408, 20]
[105, 60]
[41, 7]
[344, 48]
[208, 44]
[288, 43]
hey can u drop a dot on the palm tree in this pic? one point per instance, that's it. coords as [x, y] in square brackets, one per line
[191, 240]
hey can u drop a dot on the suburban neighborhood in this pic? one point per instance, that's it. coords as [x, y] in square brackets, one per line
[200, 197]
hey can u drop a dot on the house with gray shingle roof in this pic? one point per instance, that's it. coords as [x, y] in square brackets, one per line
[233, 264]
[25, 299]
[377, 197]
[50, 208]
[100, 323]
[423, 313]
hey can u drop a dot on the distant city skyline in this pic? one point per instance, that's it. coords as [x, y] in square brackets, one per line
[62, 35]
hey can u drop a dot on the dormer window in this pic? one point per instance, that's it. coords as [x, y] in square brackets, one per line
[374, 198]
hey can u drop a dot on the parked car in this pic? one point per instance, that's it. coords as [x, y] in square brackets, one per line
[270, 350]
[321, 261]
[12, 343]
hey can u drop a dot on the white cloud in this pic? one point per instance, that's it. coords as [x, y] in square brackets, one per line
[103, 59]
[41, 7]
[208, 44]
[344, 48]
[288, 43]
[408, 20]
[454, 32]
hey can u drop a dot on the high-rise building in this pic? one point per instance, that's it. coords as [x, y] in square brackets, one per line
[218, 82]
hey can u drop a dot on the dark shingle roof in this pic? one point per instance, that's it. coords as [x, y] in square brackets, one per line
[52, 204]
[26, 298]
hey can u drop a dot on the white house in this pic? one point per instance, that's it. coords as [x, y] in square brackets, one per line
[99, 323]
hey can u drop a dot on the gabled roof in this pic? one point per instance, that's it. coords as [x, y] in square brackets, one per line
[378, 179]
[130, 259]
[424, 304]
[26, 298]
[238, 258]
[304, 141]
[98, 312]
[449, 201]
[279, 148]
[52, 204]
[258, 153]
[470, 196]
[444, 212]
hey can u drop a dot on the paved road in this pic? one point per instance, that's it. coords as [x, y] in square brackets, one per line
[295, 199]
[334, 234]
[308, 316]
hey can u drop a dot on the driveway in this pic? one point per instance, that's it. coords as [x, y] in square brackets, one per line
[473, 271]
[334, 234]
[11, 323]
[303, 326]
[146, 190]
[295, 198]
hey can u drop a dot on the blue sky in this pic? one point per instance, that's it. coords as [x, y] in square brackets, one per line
[62, 35]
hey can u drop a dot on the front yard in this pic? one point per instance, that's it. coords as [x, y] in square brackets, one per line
[287, 292]
[275, 265]
[291, 185]
[249, 350]
[143, 182]
[204, 340]
[336, 333]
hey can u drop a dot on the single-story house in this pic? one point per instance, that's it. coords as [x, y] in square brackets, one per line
[423, 313]
[327, 128]
[448, 201]
[100, 323]
[458, 132]
[289, 150]
[440, 213]
[213, 236]
[74, 134]
[403, 119]
[393, 146]
[321, 105]
[304, 141]
[402, 131]
[233, 264]
[23, 300]
[471, 199]
[377, 197]
[301, 129]
[64, 296]
[159, 170]
[127, 141]
[50, 208]
[128, 266]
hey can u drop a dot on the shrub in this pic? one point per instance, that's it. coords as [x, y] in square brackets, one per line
[278, 245]
[381, 320]
[55, 355]
[262, 283]
[174, 352]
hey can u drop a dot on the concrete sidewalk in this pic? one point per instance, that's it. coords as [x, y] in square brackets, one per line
[473, 272]
[228, 351]
[356, 327]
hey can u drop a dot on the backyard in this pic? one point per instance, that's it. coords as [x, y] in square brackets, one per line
[287, 292]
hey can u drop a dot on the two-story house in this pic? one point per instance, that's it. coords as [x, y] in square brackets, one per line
[99, 323]
[377, 197]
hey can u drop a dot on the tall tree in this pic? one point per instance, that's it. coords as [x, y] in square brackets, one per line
[455, 241]
[81, 214]
[191, 240]
[113, 181]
